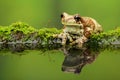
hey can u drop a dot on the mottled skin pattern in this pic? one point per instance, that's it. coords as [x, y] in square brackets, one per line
[78, 27]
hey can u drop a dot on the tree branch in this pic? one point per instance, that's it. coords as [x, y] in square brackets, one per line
[20, 36]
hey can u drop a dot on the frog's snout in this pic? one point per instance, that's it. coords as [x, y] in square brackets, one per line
[61, 15]
[64, 14]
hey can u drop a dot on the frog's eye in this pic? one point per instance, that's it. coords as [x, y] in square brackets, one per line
[62, 15]
[77, 18]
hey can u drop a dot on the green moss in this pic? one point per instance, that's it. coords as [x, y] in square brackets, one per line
[20, 26]
[104, 40]
[27, 31]
[26, 35]
[115, 33]
[47, 33]
[23, 32]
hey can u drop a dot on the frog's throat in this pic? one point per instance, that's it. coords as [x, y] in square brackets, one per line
[71, 24]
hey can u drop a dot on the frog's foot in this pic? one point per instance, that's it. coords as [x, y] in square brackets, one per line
[69, 38]
[63, 36]
[79, 43]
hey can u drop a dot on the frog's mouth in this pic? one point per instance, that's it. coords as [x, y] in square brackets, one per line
[71, 24]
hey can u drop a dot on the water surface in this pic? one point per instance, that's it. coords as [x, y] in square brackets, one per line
[37, 66]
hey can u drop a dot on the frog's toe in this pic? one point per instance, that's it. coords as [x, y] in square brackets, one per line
[80, 45]
[70, 39]
[72, 43]
[63, 43]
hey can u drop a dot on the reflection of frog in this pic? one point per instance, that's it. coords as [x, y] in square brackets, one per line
[78, 29]
[77, 59]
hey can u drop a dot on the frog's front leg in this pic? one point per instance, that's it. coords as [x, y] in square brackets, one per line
[63, 37]
[88, 31]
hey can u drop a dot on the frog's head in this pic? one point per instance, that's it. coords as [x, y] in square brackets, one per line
[73, 20]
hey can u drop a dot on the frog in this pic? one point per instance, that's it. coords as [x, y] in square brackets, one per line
[78, 29]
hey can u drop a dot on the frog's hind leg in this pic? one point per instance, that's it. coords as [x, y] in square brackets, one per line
[79, 42]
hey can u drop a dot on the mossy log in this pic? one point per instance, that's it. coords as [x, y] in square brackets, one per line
[20, 36]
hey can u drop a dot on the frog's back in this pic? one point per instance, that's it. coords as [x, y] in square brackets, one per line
[91, 22]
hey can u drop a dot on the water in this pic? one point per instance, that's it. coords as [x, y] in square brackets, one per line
[37, 66]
